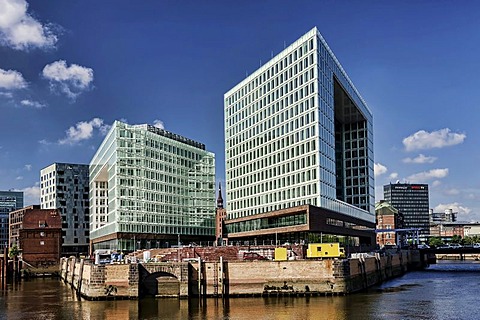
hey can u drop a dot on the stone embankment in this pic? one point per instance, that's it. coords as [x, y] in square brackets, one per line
[235, 278]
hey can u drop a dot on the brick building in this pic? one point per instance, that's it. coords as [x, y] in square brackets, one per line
[220, 216]
[387, 218]
[38, 234]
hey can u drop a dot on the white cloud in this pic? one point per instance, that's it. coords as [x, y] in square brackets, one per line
[11, 79]
[379, 169]
[33, 104]
[28, 167]
[6, 94]
[19, 30]
[393, 175]
[44, 142]
[158, 124]
[455, 206]
[71, 80]
[452, 192]
[83, 130]
[31, 195]
[436, 183]
[19, 178]
[435, 139]
[420, 159]
[428, 175]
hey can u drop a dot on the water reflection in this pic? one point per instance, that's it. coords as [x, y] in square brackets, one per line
[447, 292]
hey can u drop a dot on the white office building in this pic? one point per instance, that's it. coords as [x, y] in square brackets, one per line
[298, 135]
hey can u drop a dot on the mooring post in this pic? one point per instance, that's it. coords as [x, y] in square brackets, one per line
[221, 276]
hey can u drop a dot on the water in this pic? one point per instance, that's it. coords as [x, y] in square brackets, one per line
[444, 291]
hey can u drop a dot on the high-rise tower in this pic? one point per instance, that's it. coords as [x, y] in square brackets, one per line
[298, 134]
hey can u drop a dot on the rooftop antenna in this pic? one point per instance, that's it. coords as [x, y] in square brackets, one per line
[272, 54]
[260, 62]
[284, 44]
[246, 73]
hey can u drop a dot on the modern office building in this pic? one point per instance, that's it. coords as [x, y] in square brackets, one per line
[150, 188]
[413, 201]
[299, 150]
[9, 201]
[64, 186]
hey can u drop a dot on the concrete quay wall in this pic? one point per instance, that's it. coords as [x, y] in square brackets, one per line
[234, 278]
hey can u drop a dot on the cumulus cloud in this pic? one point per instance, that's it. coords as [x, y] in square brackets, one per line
[379, 169]
[83, 130]
[31, 195]
[33, 104]
[71, 80]
[430, 140]
[20, 31]
[455, 206]
[393, 175]
[11, 79]
[420, 159]
[158, 124]
[428, 175]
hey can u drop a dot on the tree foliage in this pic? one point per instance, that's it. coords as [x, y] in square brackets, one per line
[456, 239]
[13, 252]
[435, 241]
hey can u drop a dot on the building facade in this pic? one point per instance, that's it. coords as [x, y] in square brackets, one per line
[447, 216]
[40, 237]
[413, 201]
[65, 186]
[9, 201]
[16, 223]
[388, 218]
[220, 216]
[298, 133]
[150, 188]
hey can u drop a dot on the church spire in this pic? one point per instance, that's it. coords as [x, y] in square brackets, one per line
[220, 199]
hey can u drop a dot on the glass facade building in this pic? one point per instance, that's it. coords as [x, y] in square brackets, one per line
[297, 133]
[9, 201]
[150, 188]
[64, 186]
[412, 200]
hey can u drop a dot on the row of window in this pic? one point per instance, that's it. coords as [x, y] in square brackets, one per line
[285, 195]
[280, 67]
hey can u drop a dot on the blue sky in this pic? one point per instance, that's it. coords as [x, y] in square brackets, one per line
[68, 69]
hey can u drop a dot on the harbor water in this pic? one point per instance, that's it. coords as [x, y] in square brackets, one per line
[448, 290]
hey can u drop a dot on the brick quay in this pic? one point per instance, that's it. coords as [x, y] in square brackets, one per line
[224, 273]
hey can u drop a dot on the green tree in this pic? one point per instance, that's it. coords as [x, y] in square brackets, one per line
[456, 239]
[468, 240]
[435, 241]
[13, 252]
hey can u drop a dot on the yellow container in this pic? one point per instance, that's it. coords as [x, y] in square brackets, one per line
[325, 250]
[280, 254]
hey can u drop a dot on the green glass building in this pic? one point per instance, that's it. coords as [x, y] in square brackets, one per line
[150, 188]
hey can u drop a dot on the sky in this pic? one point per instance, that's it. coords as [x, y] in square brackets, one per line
[69, 69]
